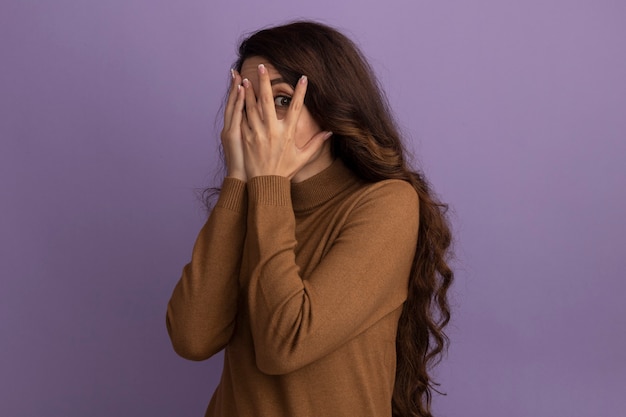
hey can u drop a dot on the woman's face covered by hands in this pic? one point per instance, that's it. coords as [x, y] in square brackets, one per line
[267, 84]
[282, 92]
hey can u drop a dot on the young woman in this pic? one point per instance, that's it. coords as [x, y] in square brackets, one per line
[321, 270]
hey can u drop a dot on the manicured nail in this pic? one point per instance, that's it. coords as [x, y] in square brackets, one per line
[238, 87]
[232, 73]
[327, 135]
[245, 83]
[303, 79]
[262, 68]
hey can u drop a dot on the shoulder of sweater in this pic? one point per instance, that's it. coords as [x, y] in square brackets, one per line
[391, 190]
[396, 198]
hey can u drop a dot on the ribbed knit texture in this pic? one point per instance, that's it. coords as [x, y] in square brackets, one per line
[303, 285]
[230, 196]
[270, 190]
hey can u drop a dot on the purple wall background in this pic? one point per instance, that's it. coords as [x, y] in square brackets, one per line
[516, 110]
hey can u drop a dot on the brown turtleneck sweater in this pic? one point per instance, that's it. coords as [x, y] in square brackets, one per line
[302, 285]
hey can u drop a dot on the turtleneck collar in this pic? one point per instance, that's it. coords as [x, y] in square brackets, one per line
[321, 187]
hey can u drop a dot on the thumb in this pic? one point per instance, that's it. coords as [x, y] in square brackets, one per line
[315, 143]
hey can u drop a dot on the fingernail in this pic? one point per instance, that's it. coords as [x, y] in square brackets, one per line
[245, 83]
[327, 135]
[303, 79]
[232, 73]
[262, 68]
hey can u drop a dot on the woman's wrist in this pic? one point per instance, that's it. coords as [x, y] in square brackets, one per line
[237, 174]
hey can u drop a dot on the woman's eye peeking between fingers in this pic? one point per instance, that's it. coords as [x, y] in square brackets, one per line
[282, 101]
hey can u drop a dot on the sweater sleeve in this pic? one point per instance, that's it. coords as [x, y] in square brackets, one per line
[362, 278]
[202, 310]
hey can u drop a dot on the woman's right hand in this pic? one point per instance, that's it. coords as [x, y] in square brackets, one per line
[231, 132]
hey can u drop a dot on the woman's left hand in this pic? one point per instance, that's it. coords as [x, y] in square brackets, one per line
[269, 144]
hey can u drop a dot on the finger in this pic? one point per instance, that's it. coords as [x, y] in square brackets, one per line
[252, 112]
[297, 102]
[232, 98]
[237, 108]
[266, 97]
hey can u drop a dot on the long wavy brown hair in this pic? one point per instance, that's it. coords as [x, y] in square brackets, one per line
[344, 97]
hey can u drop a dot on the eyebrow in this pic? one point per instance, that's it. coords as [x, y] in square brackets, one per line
[278, 81]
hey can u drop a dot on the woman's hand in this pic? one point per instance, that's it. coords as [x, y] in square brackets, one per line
[231, 132]
[269, 144]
